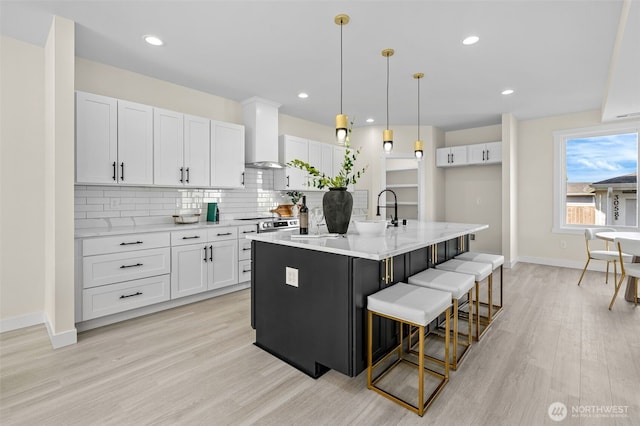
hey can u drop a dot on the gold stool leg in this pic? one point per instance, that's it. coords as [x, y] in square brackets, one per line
[615, 293]
[470, 316]
[421, 373]
[455, 334]
[477, 311]
[369, 348]
[584, 270]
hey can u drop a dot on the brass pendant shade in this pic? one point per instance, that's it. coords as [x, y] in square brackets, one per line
[418, 146]
[341, 119]
[387, 135]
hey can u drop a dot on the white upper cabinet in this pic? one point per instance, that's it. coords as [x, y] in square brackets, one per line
[114, 141]
[321, 157]
[289, 178]
[451, 156]
[227, 155]
[135, 143]
[196, 151]
[168, 147]
[96, 138]
[180, 149]
[485, 153]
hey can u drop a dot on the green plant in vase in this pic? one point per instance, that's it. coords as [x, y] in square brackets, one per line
[337, 204]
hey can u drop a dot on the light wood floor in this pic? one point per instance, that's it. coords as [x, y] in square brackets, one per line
[196, 365]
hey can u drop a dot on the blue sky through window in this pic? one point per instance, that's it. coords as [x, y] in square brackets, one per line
[602, 157]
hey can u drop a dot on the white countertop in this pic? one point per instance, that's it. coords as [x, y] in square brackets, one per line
[135, 229]
[396, 241]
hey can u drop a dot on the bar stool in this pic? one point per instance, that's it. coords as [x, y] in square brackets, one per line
[458, 285]
[496, 260]
[417, 307]
[480, 271]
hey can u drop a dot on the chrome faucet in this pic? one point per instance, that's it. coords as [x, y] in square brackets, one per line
[394, 219]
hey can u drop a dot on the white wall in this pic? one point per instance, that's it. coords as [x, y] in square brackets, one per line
[59, 139]
[536, 242]
[21, 181]
[473, 194]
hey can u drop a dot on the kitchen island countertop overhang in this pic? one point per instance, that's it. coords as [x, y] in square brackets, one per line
[395, 241]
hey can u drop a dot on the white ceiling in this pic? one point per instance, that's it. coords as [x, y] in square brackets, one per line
[556, 54]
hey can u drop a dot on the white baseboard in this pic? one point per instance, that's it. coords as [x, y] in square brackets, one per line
[574, 264]
[66, 338]
[21, 321]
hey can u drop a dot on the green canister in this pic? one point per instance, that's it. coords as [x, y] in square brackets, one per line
[212, 208]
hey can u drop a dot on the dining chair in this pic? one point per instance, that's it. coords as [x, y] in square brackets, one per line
[606, 255]
[627, 247]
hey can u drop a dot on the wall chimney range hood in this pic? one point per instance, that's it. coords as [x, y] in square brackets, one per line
[260, 117]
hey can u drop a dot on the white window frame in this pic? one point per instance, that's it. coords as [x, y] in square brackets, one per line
[560, 138]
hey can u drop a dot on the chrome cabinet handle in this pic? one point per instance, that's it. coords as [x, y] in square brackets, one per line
[242, 179]
[205, 253]
[222, 235]
[187, 174]
[130, 266]
[181, 174]
[191, 238]
[127, 244]
[211, 253]
[114, 171]
[248, 232]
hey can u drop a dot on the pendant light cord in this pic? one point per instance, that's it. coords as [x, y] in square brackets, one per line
[387, 92]
[341, 25]
[418, 109]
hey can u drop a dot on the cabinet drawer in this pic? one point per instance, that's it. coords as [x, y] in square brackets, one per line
[122, 243]
[245, 230]
[194, 236]
[244, 249]
[244, 271]
[114, 298]
[113, 268]
[226, 233]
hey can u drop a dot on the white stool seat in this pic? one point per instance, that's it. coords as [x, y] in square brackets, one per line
[496, 260]
[409, 303]
[454, 282]
[479, 270]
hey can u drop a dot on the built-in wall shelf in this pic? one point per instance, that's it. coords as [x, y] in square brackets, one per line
[402, 185]
[403, 175]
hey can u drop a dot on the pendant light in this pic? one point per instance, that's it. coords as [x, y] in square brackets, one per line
[341, 119]
[417, 145]
[387, 135]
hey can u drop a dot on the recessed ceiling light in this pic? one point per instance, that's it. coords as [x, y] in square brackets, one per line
[470, 40]
[303, 95]
[507, 91]
[153, 40]
[370, 120]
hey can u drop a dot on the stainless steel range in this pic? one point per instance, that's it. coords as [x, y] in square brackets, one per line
[274, 224]
[279, 224]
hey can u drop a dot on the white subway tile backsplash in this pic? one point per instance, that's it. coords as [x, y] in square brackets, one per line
[92, 200]
[124, 206]
[97, 215]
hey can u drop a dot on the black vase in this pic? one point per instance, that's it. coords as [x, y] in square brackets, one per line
[337, 205]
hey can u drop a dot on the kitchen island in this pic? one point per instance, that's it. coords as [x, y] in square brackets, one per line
[308, 295]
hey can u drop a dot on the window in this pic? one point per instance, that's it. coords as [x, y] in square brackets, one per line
[596, 178]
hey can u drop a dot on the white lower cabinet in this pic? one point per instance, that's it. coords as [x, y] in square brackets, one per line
[121, 273]
[208, 265]
[224, 261]
[189, 269]
[115, 298]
